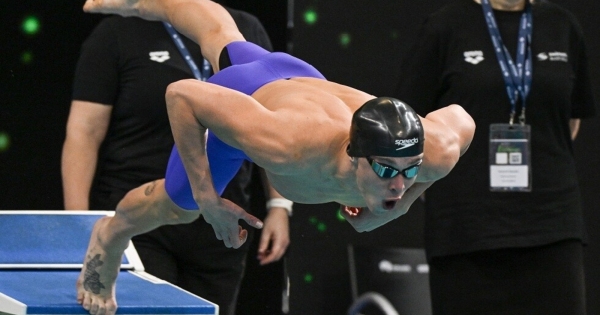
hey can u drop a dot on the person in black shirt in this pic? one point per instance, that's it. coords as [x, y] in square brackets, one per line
[119, 137]
[496, 247]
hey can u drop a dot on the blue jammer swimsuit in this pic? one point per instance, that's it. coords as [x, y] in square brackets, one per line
[251, 67]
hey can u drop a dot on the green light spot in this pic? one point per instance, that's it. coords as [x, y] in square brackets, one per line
[344, 39]
[308, 278]
[31, 25]
[313, 220]
[322, 227]
[310, 17]
[339, 215]
[4, 141]
[394, 35]
[27, 57]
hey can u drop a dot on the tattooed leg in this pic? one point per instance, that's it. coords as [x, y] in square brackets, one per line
[91, 278]
[96, 283]
[141, 210]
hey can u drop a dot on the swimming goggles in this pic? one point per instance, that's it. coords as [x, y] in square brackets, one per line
[386, 171]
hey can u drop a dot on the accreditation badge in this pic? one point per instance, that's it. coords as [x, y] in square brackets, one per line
[510, 157]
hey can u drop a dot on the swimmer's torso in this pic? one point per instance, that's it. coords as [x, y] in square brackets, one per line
[312, 167]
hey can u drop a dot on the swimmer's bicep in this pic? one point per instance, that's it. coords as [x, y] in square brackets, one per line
[235, 118]
[239, 120]
[458, 122]
[442, 150]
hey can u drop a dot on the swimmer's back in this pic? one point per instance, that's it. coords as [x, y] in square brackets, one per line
[311, 93]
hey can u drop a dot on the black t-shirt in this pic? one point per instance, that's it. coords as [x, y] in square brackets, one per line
[454, 63]
[128, 63]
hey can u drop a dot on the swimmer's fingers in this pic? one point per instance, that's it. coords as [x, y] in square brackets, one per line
[236, 238]
[251, 220]
[224, 216]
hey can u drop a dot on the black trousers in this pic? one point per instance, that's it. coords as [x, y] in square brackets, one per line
[191, 257]
[544, 280]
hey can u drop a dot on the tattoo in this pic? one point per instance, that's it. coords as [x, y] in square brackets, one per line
[150, 188]
[91, 278]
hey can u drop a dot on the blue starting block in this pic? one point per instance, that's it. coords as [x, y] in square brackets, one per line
[41, 256]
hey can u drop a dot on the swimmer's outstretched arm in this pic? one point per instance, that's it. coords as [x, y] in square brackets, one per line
[368, 221]
[205, 22]
[448, 134]
[193, 106]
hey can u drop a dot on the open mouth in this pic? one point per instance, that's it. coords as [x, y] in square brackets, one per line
[389, 204]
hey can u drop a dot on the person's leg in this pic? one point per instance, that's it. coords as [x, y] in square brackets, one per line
[205, 22]
[518, 281]
[155, 249]
[143, 209]
[206, 267]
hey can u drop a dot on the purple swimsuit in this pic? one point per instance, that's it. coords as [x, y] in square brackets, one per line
[251, 67]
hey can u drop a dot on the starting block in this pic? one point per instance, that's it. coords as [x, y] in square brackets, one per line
[41, 256]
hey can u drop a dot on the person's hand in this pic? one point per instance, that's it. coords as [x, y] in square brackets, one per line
[224, 215]
[275, 236]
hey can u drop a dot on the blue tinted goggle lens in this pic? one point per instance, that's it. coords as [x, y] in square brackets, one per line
[386, 171]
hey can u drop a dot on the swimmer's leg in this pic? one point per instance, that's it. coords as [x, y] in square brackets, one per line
[205, 22]
[141, 210]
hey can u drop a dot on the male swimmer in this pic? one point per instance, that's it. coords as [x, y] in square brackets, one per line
[317, 140]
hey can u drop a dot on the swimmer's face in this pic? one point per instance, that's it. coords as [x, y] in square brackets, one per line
[383, 181]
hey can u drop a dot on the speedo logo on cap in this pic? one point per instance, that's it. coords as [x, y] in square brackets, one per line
[406, 143]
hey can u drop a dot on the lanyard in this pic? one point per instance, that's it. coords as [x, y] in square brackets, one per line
[517, 77]
[202, 76]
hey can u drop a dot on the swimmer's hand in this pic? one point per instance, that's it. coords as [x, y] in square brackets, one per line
[224, 216]
[366, 220]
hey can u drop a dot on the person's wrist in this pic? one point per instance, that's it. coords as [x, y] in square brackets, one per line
[281, 203]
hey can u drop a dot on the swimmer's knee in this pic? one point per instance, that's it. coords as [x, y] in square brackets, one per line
[138, 196]
[168, 211]
[182, 216]
[178, 91]
[150, 201]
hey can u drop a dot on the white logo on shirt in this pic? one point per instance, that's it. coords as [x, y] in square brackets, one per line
[553, 56]
[390, 267]
[474, 57]
[159, 56]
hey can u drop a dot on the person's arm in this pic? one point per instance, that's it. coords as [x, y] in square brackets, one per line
[193, 106]
[275, 235]
[448, 134]
[367, 221]
[86, 128]
[574, 126]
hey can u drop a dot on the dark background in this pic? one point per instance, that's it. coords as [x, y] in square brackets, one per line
[35, 98]
[380, 33]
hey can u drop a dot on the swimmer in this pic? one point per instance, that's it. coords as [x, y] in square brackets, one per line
[318, 141]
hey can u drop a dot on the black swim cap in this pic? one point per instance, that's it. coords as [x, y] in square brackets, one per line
[385, 126]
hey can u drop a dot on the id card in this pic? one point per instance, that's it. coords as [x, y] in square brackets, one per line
[510, 157]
